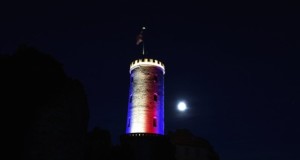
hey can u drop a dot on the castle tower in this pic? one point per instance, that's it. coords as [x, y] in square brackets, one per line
[146, 97]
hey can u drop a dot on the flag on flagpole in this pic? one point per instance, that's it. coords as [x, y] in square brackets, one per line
[139, 38]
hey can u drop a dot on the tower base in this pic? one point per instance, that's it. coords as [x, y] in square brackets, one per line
[145, 146]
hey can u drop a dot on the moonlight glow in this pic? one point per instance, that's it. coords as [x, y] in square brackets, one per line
[181, 106]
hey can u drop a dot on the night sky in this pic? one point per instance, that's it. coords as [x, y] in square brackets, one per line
[236, 65]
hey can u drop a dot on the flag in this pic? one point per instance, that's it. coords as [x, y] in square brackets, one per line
[139, 38]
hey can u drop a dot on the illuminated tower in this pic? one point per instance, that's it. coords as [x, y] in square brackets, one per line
[146, 98]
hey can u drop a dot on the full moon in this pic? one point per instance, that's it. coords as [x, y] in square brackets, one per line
[181, 106]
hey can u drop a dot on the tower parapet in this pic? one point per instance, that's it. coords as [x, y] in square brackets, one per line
[147, 62]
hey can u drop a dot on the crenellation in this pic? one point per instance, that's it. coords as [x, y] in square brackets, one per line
[145, 62]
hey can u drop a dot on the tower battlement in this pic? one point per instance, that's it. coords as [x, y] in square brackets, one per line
[147, 62]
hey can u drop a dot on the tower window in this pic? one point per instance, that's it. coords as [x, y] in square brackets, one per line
[128, 125]
[154, 122]
[155, 97]
[130, 99]
[131, 79]
[155, 79]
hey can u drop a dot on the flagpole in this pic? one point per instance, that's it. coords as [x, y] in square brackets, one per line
[143, 47]
[140, 39]
[143, 28]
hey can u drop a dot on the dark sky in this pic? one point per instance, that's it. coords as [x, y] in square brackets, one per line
[236, 65]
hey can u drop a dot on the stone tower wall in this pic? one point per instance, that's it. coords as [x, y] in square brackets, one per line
[146, 97]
